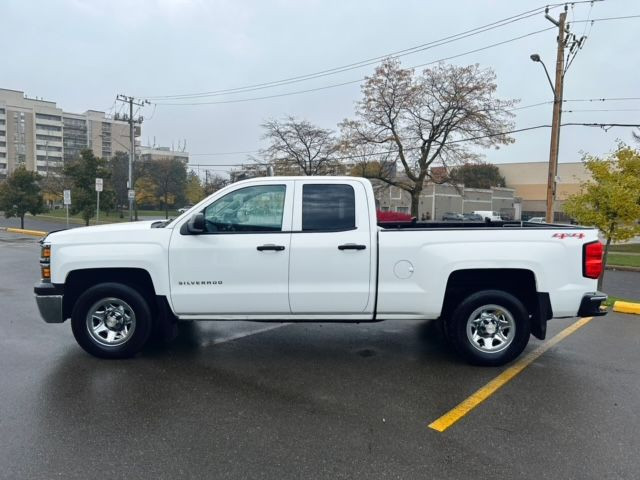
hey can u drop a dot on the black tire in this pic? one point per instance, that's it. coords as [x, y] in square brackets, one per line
[131, 343]
[477, 352]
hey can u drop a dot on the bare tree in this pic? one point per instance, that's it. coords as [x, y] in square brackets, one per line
[432, 118]
[298, 145]
[213, 183]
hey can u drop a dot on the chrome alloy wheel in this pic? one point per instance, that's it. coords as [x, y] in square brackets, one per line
[491, 328]
[111, 321]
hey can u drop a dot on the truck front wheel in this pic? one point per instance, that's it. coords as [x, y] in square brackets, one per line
[111, 320]
[490, 327]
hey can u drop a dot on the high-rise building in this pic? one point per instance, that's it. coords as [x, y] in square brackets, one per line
[38, 134]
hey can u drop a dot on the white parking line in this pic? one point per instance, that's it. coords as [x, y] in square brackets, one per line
[236, 336]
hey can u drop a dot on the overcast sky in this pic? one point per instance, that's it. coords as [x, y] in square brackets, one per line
[81, 53]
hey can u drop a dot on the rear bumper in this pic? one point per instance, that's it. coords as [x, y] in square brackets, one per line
[591, 305]
[49, 300]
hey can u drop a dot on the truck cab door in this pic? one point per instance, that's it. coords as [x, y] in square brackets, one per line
[240, 264]
[331, 258]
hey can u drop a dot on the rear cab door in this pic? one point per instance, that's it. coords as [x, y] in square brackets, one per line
[332, 257]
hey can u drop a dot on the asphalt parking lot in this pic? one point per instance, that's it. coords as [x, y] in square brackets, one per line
[245, 400]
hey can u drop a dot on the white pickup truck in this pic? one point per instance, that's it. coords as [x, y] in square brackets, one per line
[309, 249]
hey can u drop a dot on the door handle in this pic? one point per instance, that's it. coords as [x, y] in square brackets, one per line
[351, 246]
[270, 246]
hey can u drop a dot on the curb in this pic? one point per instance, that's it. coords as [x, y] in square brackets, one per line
[34, 233]
[626, 307]
[622, 268]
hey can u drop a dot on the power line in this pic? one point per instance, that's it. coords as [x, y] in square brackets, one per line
[362, 63]
[606, 19]
[310, 76]
[407, 51]
[326, 87]
[605, 126]
[279, 83]
[578, 100]
[611, 99]
[603, 110]
[530, 106]
[248, 152]
[243, 100]
[226, 153]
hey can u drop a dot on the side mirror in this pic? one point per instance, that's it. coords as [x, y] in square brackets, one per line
[196, 225]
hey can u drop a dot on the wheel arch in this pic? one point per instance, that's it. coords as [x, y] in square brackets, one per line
[521, 283]
[78, 281]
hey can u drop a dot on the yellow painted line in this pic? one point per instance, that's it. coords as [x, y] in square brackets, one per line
[459, 411]
[35, 233]
[626, 307]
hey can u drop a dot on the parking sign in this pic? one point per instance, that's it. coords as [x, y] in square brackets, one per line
[66, 197]
[98, 184]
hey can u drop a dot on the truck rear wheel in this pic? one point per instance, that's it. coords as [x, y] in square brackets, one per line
[111, 320]
[490, 327]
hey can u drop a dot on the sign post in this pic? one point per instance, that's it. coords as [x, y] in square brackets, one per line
[98, 190]
[131, 195]
[67, 201]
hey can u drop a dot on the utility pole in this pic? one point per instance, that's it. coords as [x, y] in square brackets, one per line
[565, 39]
[557, 115]
[131, 101]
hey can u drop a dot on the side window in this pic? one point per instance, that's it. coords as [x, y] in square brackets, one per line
[250, 209]
[328, 207]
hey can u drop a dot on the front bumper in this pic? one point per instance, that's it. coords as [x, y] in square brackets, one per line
[591, 305]
[49, 300]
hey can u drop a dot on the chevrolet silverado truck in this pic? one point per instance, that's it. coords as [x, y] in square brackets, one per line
[309, 249]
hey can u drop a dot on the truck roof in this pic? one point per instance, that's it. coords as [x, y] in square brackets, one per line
[322, 179]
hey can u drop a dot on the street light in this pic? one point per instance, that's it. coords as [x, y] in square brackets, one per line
[536, 58]
[555, 132]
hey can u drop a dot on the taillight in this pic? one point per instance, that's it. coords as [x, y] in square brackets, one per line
[592, 260]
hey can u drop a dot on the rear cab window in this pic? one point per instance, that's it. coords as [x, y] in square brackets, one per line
[328, 207]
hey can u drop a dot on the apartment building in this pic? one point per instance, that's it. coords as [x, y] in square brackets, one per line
[40, 136]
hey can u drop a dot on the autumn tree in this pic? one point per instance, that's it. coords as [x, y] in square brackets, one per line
[610, 200]
[82, 173]
[170, 177]
[20, 194]
[52, 186]
[436, 117]
[194, 191]
[369, 161]
[146, 191]
[298, 146]
[477, 175]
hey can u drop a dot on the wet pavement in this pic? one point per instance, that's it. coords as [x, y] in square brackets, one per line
[251, 400]
[622, 284]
